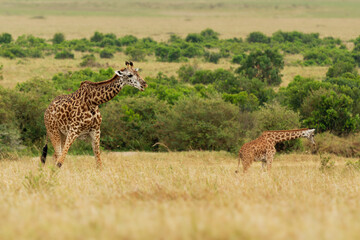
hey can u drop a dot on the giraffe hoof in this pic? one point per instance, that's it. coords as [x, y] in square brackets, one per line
[59, 164]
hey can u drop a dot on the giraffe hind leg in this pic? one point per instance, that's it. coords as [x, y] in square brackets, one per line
[55, 139]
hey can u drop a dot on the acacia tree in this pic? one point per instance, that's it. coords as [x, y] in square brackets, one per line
[264, 65]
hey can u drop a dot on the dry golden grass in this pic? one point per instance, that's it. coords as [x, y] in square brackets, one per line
[289, 72]
[190, 195]
[160, 28]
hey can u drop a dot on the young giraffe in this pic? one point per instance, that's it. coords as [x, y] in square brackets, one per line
[263, 148]
[77, 114]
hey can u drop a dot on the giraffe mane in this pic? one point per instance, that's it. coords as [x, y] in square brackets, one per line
[99, 83]
[292, 130]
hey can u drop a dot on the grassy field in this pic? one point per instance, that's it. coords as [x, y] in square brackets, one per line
[192, 195]
[20, 70]
[188, 195]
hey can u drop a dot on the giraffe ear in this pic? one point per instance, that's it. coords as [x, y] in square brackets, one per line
[136, 69]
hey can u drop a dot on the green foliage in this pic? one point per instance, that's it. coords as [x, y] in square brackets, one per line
[317, 57]
[106, 53]
[5, 38]
[127, 40]
[65, 54]
[340, 68]
[238, 58]
[167, 53]
[298, 89]
[196, 123]
[58, 38]
[129, 124]
[327, 110]
[185, 72]
[135, 54]
[257, 37]
[194, 38]
[246, 102]
[97, 37]
[70, 81]
[89, 60]
[296, 37]
[264, 65]
[212, 57]
[210, 35]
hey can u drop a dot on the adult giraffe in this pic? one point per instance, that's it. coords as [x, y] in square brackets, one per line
[77, 114]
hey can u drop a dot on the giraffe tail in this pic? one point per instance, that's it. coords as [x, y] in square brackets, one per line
[44, 153]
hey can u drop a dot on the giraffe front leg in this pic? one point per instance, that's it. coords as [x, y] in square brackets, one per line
[69, 140]
[269, 159]
[95, 143]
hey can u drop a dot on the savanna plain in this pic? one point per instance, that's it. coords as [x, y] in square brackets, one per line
[176, 195]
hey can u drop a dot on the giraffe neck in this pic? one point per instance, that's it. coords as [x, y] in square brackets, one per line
[102, 92]
[280, 136]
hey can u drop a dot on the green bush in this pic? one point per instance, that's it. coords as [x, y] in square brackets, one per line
[209, 34]
[198, 124]
[127, 40]
[311, 39]
[317, 57]
[65, 54]
[89, 60]
[203, 77]
[58, 38]
[13, 51]
[5, 38]
[257, 37]
[212, 57]
[97, 37]
[135, 54]
[106, 53]
[245, 101]
[194, 38]
[167, 53]
[238, 58]
[130, 124]
[327, 110]
[340, 68]
[298, 89]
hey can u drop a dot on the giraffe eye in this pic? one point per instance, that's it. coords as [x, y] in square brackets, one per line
[130, 75]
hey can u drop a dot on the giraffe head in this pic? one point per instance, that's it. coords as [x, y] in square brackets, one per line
[131, 77]
[309, 134]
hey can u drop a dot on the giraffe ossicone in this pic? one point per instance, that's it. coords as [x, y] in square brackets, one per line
[77, 114]
[263, 148]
